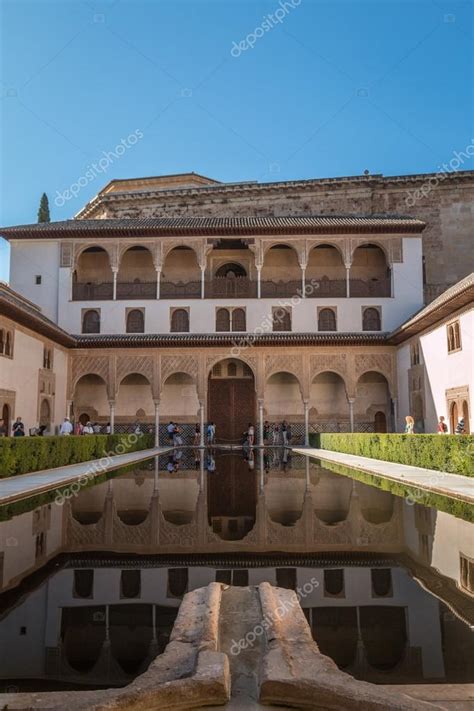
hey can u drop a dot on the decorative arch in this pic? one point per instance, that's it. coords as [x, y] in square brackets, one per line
[371, 242]
[124, 248]
[230, 270]
[81, 248]
[267, 246]
[170, 246]
[327, 243]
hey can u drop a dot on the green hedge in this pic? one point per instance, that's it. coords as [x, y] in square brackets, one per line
[22, 455]
[448, 453]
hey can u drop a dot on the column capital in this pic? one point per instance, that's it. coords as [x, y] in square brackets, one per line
[351, 400]
[111, 403]
[260, 401]
[156, 403]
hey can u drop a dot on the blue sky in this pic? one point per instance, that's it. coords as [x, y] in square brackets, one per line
[333, 88]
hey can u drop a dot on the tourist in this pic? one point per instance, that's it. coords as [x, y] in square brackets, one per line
[276, 434]
[170, 430]
[250, 434]
[409, 424]
[284, 432]
[107, 429]
[197, 434]
[460, 427]
[18, 428]
[39, 432]
[3, 429]
[288, 434]
[66, 427]
[137, 428]
[88, 429]
[177, 439]
[442, 426]
[266, 432]
[96, 427]
[211, 433]
[79, 428]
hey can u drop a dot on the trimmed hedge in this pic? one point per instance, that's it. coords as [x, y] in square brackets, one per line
[448, 453]
[23, 455]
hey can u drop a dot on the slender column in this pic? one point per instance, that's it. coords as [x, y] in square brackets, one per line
[157, 474]
[259, 282]
[114, 294]
[201, 471]
[306, 422]
[260, 423]
[307, 478]
[107, 624]
[203, 280]
[261, 472]
[201, 423]
[157, 423]
[351, 401]
[112, 415]
[395, 414]
[348, 281]
[68, 408]
[158, 282]
[303, 282]
[71, 284]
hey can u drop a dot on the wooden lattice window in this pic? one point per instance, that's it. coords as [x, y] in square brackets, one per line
[91, 321]
[327, 320]
[180, 321]
[135, 321]
[232, 370]
[371, 320]
[239, 320]
[222, 320]
[281, 319]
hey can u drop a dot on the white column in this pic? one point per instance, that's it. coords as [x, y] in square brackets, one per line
[157, 474]
[68, 408]
[71, 284]
[306, 422]
[259, 282]
[348, 281]
[114, 274]
[351, 401]
[395, 414]
[201, 422]
[261, 471]
[307, 477]
[158, 281]
[157, 423]
[203, 281]
[260, 423]
[303, 282]
[112, 415]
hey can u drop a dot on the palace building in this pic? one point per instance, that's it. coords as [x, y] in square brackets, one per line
[181, 298]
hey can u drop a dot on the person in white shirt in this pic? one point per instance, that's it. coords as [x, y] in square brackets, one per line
[88, 429]
[66, 427]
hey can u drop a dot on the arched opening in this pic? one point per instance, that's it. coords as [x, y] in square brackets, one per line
[335, 631]
[92, 278]
[6, 418]
[332, 497]
[232, 270]
[8, 344]
[134, 396]
[135, 321]
[230, 320]
[223, 320]
[179, 321]
[91, 399]
[370, 273]
[283, 399]
[181, 275]
[325, 272]
[91, 321]
[453, 416]
[384, 633]
[231, 280]
[232, 498]
[45, 415]
[231, 398]
[82, 635]
[465, 414]
[329, 409]
[327, 320]
[131, 632]
[2, 341]
[136, 278]
[376, 505]
[372, 396]
[281, 272]
[179, 398]
[380, 422]
[371, 319]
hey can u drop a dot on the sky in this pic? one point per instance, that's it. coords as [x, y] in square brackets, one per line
[233, 89]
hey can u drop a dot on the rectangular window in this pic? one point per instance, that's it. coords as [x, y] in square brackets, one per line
[453, 332]
[334, 582]
[286, 578]
[281, 319]
[38, 279]
[467, 573]
[177, 582]
[130, 583]
[83, 583]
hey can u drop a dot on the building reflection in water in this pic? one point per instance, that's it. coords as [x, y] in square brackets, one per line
[91, 589]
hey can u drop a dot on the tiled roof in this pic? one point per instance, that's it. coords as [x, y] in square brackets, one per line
[28, 314]
[456, 297]
[238, 340]
[216, 226]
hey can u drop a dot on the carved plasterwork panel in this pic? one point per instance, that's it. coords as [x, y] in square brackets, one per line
[128, 364]
[284, 363]
[90, 365]
[66, 254]
[378, 362]
[337, 363]
[179, 364]
[250, 360]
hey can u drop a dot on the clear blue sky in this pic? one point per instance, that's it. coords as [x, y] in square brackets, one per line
[335, 88]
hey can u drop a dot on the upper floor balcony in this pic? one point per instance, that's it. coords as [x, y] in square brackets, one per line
[231, 271]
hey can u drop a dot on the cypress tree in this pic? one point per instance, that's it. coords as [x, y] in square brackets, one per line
[43, 212]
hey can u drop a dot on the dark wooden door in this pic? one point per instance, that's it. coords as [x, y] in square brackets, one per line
[231, 405]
